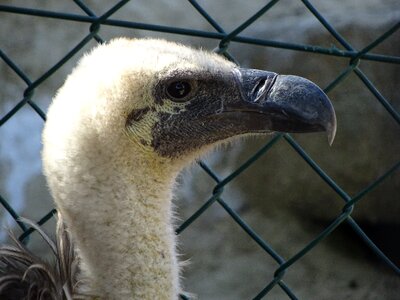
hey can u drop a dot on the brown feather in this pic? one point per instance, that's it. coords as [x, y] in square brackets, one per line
[26, 276]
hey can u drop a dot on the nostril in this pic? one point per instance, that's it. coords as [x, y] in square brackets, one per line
[262, 88]
[259, 89]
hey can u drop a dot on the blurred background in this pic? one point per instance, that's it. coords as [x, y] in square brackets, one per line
[279, 196]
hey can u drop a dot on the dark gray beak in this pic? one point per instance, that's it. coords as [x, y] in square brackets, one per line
[287, 103]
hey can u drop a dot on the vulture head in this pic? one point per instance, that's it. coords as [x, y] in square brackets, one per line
[173, 102]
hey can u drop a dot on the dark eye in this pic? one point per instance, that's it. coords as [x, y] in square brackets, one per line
[178, 90]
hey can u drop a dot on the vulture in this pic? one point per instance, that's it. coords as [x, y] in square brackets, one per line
[131, 115]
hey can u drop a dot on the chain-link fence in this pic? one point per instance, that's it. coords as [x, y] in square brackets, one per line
[223, 41]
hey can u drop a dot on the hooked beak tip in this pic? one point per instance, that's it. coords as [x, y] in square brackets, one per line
[331, 132]
[330, 126]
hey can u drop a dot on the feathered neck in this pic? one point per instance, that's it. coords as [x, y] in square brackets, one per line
[118, 210]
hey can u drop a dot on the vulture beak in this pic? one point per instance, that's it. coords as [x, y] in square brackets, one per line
[285, 103]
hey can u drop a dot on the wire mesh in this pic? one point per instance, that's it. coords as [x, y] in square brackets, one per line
[224, 39]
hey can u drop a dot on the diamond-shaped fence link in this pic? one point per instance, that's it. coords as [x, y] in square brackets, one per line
[348, 53]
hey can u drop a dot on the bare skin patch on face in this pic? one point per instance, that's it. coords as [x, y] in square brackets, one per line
[140, 122]
[180, 131]
[176, 123]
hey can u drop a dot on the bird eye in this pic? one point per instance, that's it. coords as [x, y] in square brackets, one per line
[178, 90]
